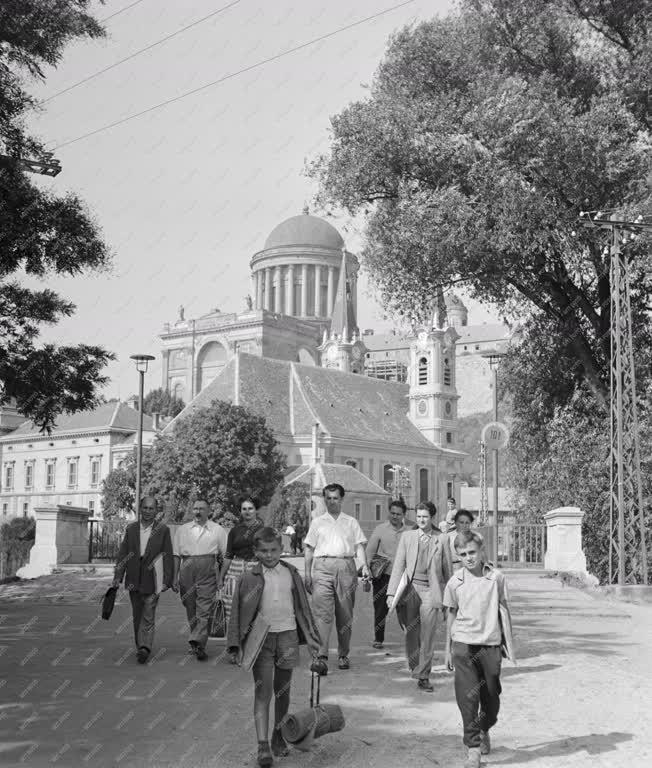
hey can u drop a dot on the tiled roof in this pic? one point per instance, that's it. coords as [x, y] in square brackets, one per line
[469, 334]
[112, 415]
[351, 479]
[380, 341]
[346, 405]
[343, 315]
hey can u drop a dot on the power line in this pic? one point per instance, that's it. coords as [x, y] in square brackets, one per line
[142, 50]
[122, 10]
[231, 75]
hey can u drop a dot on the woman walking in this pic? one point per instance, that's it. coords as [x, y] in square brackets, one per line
[239, 556]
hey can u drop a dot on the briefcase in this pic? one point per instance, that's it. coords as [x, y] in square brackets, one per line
[108, 601]
[217, 621]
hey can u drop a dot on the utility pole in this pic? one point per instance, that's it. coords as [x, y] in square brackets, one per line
[496, 435]
[627, 545]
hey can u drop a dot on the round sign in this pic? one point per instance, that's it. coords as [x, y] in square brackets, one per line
[495, 435]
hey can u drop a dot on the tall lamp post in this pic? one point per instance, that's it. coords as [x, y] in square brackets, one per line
[494, 358]
[142, 361]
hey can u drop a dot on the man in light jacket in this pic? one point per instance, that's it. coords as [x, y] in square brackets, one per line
[416, 587]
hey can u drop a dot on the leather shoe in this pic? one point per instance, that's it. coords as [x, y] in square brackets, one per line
[425, 685]
[142, 655]
[343, 662]
[200, 653]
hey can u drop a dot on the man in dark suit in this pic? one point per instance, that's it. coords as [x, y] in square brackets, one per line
[142, 544]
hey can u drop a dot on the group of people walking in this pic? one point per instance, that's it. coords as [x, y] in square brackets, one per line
[422, 571]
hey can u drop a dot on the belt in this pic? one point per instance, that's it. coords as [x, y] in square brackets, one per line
[188, 557]
[334, 557]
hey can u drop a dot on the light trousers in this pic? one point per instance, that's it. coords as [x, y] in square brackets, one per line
[422, 616]
[334, 581]
[197, 589]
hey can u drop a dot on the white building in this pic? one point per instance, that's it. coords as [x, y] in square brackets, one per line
[68, 465]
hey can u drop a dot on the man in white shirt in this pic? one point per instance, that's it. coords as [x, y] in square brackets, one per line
[331, 545]
[199, 547]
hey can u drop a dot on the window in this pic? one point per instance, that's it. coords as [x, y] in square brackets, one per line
[72, 472]
[5, 509]
[388, 477]
[29, 475]
[9, 477]
[356, 508]
[91, 507]
[449, 490]
[49, 475]
[423, 484]
[477, 346]
[25, 508]
[423, 371]
[379, 511]
[95, 472]
[449, 437]
[447, 372]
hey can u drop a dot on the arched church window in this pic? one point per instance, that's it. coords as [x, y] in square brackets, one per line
[423, 484]
[447, 372]
[210, 362]
[423, 371]
[177, 392]
[388, 477]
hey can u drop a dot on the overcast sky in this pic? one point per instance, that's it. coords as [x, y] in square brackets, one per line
[187, 193]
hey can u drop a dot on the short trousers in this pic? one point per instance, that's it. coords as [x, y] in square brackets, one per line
[280, 649]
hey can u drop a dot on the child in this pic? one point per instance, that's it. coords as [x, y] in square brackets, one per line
[274, 589]
[473, 642]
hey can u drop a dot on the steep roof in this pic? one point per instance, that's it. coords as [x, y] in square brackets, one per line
[484, 332]
[292, 397]
[351, 479]
[112, 415]
[343, 315]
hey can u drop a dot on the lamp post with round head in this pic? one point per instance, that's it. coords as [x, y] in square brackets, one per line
[142, 361]
[494, 358]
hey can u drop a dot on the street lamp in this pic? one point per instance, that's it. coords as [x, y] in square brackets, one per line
[142, 361]
[494, 358]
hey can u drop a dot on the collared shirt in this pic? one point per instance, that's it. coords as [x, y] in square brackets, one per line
[145, 533]
[476, 599]
[195, 539]
[276, 603]
[384, 542]
[331, 537]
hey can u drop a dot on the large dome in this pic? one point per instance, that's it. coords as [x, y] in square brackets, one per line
[304, 230]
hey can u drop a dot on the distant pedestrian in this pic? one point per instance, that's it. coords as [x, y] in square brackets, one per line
[331, 545]
[451, 510]
[474, 633]
[462, 522]
[240, 553]
[381, 551]
[199, 548]
[416, 589]
[140, 549]
[274, 590]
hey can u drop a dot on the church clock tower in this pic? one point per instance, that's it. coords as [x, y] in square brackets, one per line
[432, 395]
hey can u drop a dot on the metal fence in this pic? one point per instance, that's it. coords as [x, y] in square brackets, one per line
[104, 537]
[520, 545]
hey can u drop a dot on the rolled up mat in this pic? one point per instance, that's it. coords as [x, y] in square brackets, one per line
[326, 718]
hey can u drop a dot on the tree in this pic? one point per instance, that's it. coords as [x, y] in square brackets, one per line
[483, 137]
[41, 233]
[161, 401]
[119, 490]
[220, 453]
[291, 505]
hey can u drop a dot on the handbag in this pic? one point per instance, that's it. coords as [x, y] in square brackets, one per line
[378, 565]
[217, 621]
[108, 601]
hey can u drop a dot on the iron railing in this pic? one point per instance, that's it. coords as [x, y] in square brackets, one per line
[520, 545]
[104, 538]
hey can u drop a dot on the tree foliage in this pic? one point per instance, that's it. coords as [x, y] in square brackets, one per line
[161, 401]
[483, 137]
[290, 506]
[41, 233]
[119, 490]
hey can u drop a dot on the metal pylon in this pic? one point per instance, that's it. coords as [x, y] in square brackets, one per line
[627, 552]
[484, 498]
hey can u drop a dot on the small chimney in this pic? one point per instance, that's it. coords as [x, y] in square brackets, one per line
[132, 402]
[315, 444]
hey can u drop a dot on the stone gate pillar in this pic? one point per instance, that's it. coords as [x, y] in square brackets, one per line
[564, 540]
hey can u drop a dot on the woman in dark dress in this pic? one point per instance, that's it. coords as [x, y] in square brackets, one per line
[239, 556]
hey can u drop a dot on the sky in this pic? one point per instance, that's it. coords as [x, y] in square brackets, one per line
[185, 194]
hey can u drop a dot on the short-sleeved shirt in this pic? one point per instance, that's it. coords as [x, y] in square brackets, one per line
[276, 603]
[240, 541]
[334, 537]
[476, 599]
[193, 539]
[384, 542]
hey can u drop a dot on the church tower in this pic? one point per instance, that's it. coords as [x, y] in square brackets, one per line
[343, 348]
[432, 395]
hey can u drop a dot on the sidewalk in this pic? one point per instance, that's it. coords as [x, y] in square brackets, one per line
[71, 693]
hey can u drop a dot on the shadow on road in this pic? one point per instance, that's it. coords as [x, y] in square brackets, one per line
[592, 744]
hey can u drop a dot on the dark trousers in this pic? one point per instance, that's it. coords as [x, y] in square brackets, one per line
[477, 687]
[381, 610]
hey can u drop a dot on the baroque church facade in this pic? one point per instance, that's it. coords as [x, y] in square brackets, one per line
[296, 356]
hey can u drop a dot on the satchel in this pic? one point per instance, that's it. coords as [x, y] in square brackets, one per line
[217, 621]
[378, 565]
[108, 601]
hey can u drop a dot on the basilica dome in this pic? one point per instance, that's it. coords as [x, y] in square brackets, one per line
[306, 230]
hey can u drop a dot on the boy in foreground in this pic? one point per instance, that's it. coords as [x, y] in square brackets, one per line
[275, 590]
[473, 642]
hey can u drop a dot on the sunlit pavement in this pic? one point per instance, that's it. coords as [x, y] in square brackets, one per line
[72, 694]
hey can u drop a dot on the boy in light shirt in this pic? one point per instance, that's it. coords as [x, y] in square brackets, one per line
[474, 635]
[274, 589]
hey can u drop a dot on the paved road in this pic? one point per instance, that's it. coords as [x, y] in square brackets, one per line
[72, 695]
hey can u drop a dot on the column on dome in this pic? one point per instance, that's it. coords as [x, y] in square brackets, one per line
[317, 311]
[304, 290]
[268, 288]
[277, 290]
[289, 296]
[331, 291]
